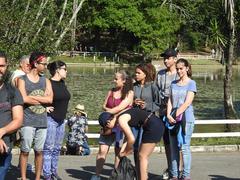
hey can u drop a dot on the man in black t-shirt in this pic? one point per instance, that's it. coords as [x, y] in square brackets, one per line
[11, 116]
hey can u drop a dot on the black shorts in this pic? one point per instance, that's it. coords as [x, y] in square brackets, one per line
[153, 130]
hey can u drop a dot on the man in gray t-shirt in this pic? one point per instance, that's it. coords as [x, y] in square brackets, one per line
[163, 81]
[11, 113]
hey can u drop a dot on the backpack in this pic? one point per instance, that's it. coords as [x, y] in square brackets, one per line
[124, 171]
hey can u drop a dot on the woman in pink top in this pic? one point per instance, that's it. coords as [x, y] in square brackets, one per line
[118, 99]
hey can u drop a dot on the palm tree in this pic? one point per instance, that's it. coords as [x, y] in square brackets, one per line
[230, 112]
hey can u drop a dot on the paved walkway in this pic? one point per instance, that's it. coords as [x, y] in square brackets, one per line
[205, 166]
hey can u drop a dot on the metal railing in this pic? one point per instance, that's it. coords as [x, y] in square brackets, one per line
[195, 135]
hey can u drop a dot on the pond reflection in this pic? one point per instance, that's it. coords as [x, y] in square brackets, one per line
[89, 86]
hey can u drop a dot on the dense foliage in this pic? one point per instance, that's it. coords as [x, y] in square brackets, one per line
[141, 26]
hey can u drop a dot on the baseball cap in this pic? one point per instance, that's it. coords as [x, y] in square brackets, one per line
[169, 53]
[104, 117]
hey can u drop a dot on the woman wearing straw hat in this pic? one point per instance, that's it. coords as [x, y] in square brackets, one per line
[78, 127]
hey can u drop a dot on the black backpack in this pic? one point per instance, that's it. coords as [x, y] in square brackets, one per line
[124, 171]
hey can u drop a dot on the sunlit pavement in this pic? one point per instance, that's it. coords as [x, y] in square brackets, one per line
[205, 166]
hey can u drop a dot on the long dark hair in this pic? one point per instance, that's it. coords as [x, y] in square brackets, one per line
[186, 64]
[128, 85]
[53, 66]
[149, 70]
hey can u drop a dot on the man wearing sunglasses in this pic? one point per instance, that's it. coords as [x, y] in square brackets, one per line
[36, 90]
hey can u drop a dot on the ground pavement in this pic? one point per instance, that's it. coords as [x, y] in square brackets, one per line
[205, 166]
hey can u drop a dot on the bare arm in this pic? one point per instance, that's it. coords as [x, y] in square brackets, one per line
[15, 82]
[169, 110]
[17, 119]
[48, 94]
[123, 105]
[26, 99]
[105, 101]
[188, 102]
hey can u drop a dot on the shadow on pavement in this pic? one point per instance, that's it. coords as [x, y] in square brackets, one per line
[218, 177]
[14, 173]
[85, 172]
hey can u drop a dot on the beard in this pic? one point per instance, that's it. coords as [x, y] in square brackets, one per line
[4, 77]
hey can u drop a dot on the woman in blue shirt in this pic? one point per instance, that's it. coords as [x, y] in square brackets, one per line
[182, 93]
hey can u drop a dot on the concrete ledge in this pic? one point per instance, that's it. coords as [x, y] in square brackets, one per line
[161, 149]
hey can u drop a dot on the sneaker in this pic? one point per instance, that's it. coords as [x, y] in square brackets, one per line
[165, 174]
[95, 177]
[56, 177]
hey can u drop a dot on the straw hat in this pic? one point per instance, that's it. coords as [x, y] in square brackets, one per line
[80, 108]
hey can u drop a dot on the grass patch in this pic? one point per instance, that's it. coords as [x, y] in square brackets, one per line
[78, 59]
[204, 62]
[214, 141]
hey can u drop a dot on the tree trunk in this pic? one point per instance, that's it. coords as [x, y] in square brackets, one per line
[230, 112]
[61, 17]
[40, 10]
[74, 24]
[69, 24]
[23, 20]
[39, 29]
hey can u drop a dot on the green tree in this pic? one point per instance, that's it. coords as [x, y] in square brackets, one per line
[230, 112]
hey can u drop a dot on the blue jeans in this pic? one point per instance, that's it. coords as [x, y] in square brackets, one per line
[52, 146]
[5, 162]
[86, 149]
[186, 152]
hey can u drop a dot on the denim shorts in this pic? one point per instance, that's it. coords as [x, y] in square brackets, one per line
[107, 140]
[30, 135]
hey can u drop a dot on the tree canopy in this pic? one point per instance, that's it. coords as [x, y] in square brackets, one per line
[141, 26]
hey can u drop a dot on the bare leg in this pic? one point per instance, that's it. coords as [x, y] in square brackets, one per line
[145, 150]
[38, 164]
[23, 164]
[123, 123]
[101, 157]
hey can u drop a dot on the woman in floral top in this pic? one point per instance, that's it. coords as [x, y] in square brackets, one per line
[78, 127]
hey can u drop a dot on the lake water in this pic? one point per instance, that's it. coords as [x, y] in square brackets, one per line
[89, 86]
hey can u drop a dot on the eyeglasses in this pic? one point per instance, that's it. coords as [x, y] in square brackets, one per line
[44, 64]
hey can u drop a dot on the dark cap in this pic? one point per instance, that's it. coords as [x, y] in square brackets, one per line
[169, 53]
[104, 117]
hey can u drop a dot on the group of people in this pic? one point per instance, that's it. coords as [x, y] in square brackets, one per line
[37, 106]
[138, 113]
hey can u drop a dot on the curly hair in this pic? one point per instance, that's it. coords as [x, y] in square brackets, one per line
[149, 70]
